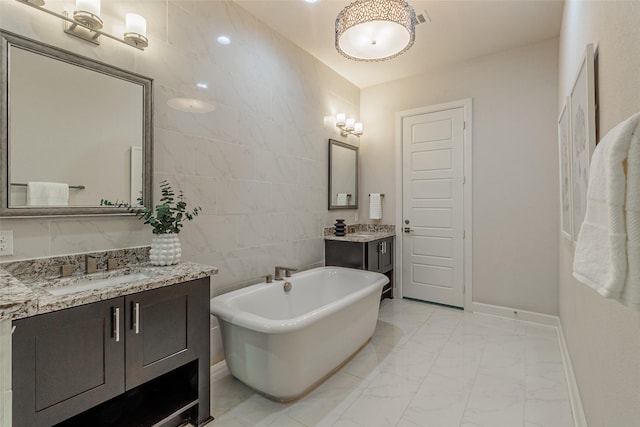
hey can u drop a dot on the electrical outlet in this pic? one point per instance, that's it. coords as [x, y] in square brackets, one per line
[6, 242]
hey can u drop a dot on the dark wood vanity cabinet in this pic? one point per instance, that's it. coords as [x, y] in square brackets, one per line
[66, 362]
[376, 255]
[105, 354]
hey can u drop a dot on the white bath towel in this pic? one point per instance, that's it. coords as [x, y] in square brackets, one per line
[631, 290]
[601, 253]
[47, 194]
[375, 206]
[342, 199]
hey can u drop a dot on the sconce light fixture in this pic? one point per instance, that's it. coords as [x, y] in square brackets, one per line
[136, 30]
[88, 13]
[348, 126]
[86, 24]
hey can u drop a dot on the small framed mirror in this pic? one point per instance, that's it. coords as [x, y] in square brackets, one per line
[343, 175]
[73, 131]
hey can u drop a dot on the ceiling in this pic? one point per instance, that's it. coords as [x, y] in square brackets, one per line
[458, 31]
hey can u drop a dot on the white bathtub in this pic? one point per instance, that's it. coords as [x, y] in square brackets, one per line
[284, 344]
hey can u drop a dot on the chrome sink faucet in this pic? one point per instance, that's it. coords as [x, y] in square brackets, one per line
[287, 272]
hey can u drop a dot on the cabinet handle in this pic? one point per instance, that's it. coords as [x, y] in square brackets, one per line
[136, 316]
[116, 324]
[384, 247]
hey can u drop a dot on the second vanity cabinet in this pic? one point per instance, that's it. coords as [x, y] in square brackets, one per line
[68, 361]
[375, 255]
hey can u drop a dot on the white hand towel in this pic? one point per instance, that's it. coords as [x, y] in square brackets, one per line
[601, 253]
[342, 199]
[47, 194]
[375, 206]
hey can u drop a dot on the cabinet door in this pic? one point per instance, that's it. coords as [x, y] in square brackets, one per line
[385, 260]
[66, 362]
[164, 329]
[373, 255]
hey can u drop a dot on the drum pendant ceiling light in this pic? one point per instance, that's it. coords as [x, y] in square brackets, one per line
[375, 30]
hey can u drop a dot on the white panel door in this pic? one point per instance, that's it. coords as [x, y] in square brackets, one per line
[433, 203]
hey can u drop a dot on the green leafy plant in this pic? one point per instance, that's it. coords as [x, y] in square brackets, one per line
[168, 216]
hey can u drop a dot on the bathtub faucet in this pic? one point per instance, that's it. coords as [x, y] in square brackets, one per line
[287, 272]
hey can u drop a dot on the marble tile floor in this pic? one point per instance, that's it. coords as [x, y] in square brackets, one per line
[426, 365]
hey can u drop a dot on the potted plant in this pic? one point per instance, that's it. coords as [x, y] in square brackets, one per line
[166, 219]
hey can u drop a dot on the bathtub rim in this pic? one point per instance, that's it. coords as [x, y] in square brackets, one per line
[225, 312]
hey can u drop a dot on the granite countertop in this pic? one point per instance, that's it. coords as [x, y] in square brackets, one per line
[26, 297]
[15, 297]
[361, 237]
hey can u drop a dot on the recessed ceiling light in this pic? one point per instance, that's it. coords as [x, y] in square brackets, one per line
[311, 1]
[202, 85]
[191, 105]
[224, 40]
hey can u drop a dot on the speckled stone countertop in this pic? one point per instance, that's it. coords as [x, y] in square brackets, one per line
[361, 233]
[28, 296]
[15, 297]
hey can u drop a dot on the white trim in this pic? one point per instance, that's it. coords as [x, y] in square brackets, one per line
[467, 105]
[579, 419]
[513, 313]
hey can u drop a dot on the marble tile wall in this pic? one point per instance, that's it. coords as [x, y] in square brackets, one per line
[257, 165]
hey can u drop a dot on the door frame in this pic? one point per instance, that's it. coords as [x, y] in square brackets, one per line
[466, 105]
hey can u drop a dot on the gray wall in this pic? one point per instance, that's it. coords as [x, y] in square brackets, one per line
[515, 178]
[603, 336]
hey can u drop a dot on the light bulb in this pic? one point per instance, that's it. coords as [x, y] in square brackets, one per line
[350, 123]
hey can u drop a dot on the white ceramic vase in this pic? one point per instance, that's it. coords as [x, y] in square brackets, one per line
[165, 249]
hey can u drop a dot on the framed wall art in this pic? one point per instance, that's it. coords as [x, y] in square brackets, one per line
[582, 135]
[564, 151]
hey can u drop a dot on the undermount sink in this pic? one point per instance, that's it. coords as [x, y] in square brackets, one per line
[71, 285]
[364, 234]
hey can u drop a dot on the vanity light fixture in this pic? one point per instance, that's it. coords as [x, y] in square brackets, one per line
[136, 30]
[375, 30]
[88, 13]
[86, 24]
[348, 126]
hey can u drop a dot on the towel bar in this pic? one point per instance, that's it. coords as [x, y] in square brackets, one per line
[381, 194]
[75, 187]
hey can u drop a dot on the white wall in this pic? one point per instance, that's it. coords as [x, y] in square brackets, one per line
[257, 165]
[515, 200]
[603, 336]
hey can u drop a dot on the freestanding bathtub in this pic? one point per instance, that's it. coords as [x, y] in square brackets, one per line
[283, 344]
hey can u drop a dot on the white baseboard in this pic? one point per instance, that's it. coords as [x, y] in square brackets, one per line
[577, 411]
[513, 313]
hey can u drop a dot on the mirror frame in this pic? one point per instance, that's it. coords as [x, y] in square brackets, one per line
[7, 40]
[333, 142]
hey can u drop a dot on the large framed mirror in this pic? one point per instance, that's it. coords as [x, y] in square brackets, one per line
[74, 131]
[343, 175]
